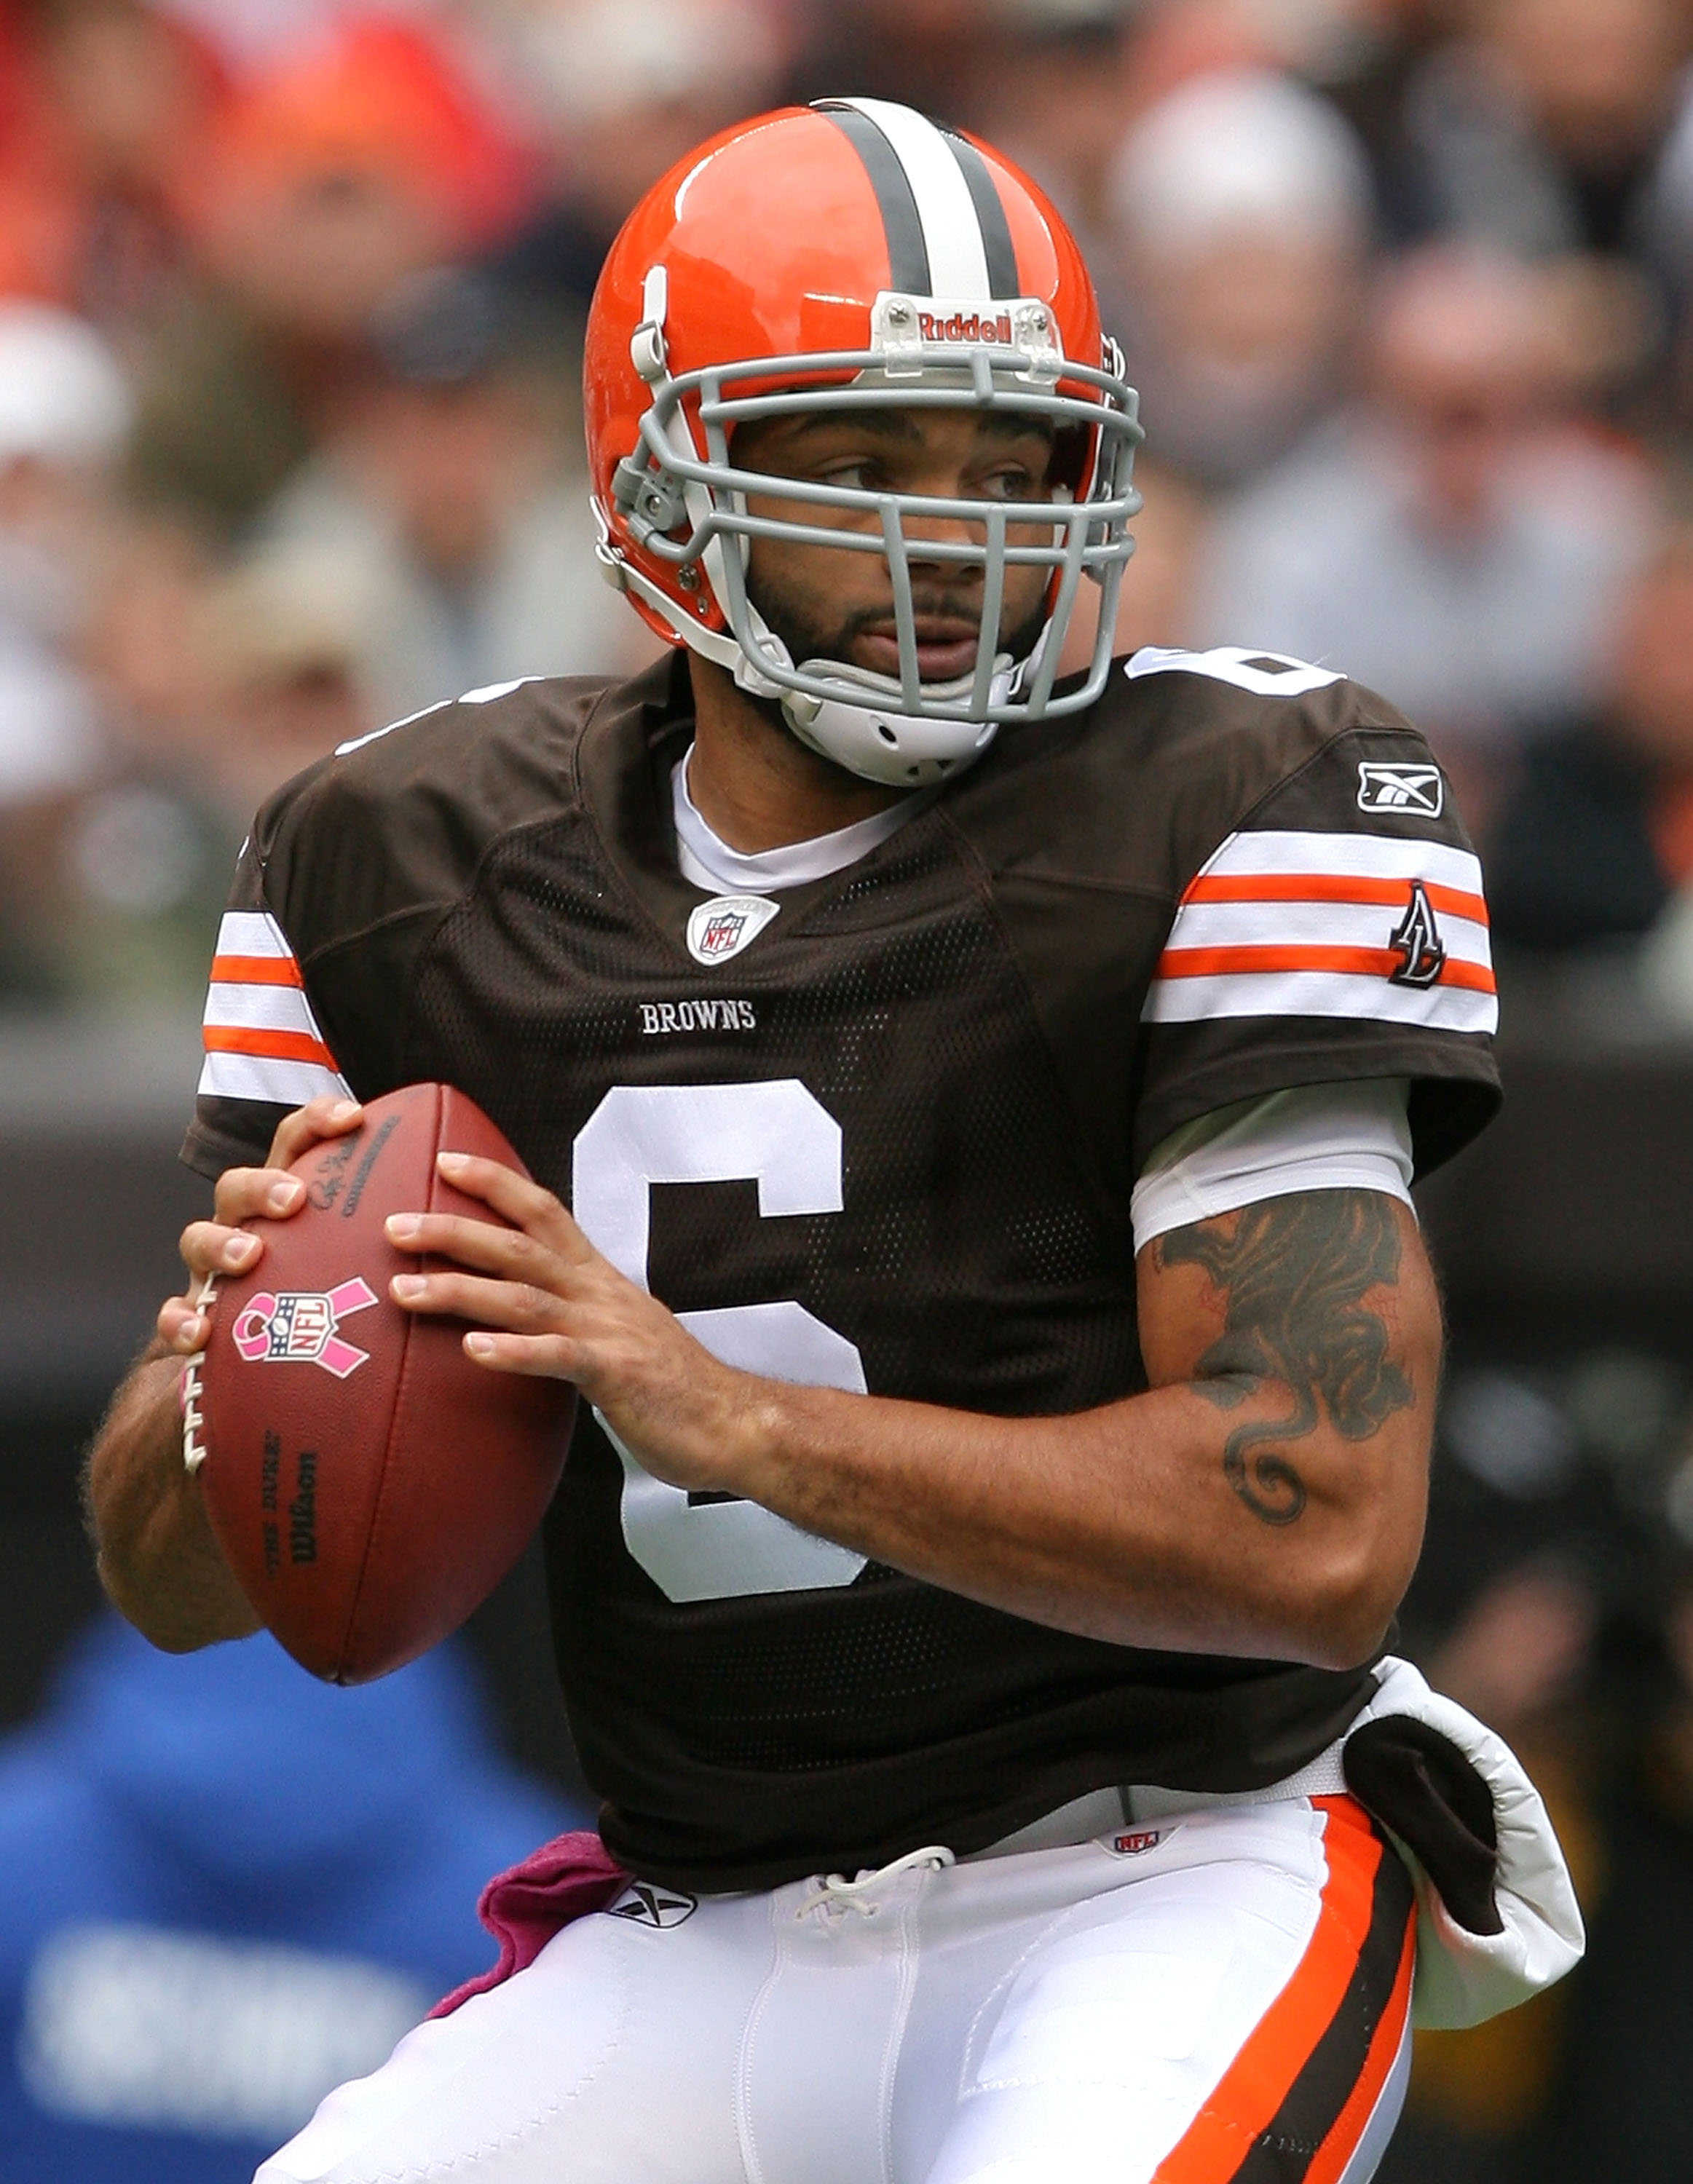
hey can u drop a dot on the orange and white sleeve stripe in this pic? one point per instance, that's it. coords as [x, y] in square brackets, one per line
[1298, 924]
[262, 1041]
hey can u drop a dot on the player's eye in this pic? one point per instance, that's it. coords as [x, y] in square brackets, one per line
[858, 472]
[1009, 481]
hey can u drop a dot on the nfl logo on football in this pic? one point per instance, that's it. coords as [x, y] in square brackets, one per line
[300, 1326]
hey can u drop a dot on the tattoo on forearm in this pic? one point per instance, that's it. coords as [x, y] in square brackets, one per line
[1294, 1273]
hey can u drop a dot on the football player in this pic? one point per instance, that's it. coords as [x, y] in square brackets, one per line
[973, 1117]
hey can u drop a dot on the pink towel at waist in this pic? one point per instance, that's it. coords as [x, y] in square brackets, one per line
[524, 1908]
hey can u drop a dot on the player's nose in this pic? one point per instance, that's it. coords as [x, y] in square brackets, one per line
[931, 526]
[927, 534]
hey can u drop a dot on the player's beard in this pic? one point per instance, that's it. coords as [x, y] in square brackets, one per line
[808, 637]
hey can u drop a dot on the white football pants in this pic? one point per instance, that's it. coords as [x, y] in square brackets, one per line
[1219, 1995]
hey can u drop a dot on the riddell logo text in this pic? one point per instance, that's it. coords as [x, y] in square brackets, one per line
[661, 1016]
[965, 326]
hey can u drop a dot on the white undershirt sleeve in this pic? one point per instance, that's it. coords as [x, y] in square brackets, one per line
[1317, 1136]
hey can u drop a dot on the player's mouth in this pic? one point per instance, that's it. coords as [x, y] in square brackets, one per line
[946, 647]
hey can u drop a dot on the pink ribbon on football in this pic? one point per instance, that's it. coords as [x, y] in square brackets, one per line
[251, 1333]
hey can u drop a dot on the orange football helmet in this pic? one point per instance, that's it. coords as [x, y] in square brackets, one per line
[827, 257]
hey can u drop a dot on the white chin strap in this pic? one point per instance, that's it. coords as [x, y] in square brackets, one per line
[870, 736]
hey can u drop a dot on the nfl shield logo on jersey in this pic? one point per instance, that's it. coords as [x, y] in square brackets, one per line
[721, 934]
[728, 923]
[298, 1327]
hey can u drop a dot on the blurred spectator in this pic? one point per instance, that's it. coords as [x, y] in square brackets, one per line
[1172, 42]
[1458, 539]
[350, 164]
[1666, 962]
[445, 488]
[248, 35]
[1537, 129]
[1671, 234]
[219, 684]
[64, 409]
[916, 51]
[438, 541]
[289, 636]
[102, 117]
[228, 1888]
[1345, 41]
[625, 88]
[1242, 213]
[1520, 1649]
[1158, 598]
[213, 683]
[1156, 604]
[1598, 833]
[1047, 82]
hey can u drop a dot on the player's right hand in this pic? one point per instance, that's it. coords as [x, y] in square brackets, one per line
[221, 1246]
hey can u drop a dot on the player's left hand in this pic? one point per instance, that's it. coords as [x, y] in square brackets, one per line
[541, 1299]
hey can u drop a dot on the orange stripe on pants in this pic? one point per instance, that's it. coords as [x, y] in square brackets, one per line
[1245, 2101]
[1328, 2163]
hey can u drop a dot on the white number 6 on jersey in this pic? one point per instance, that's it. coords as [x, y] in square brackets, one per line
[778, 1136]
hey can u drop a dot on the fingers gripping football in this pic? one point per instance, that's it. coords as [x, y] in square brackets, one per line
[221, 1246]
[541, 1299]
[539, 1286]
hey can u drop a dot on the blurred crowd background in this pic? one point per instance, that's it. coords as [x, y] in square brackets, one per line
[291, 300]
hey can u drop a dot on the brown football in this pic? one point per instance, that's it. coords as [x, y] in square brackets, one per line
[369, 1485]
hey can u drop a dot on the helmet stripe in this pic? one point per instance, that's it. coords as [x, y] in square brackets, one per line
[901, 223]
[954, 245]
[952, 232]
[996, 229]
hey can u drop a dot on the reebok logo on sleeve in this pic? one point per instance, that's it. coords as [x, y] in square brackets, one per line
[1410, 791]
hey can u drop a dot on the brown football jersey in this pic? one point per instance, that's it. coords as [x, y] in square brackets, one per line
[884, 1139]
